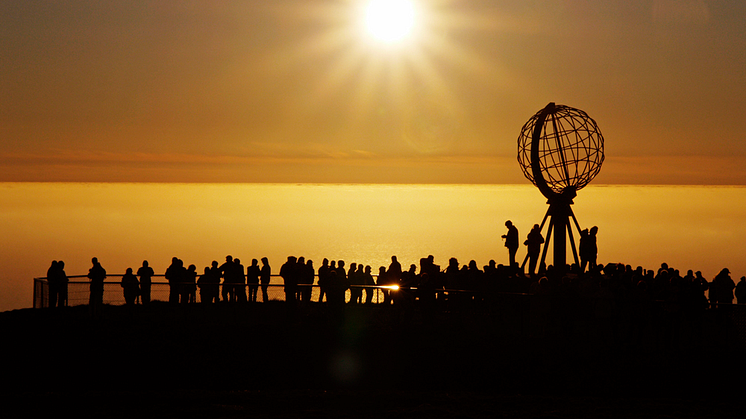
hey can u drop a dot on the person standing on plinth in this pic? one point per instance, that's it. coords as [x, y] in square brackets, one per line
[534, 242]
[592, 248]
[511, 242]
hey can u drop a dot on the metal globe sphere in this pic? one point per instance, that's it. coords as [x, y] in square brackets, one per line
[560, 150]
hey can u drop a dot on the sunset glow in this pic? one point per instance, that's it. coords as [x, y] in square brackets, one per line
[123, 224]
[352, 92]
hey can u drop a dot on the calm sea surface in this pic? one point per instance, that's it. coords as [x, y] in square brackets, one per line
[689, 227]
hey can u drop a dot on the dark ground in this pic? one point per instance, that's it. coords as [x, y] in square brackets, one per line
[258, 361]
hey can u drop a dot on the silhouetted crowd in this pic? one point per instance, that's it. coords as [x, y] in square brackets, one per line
[451, 288]
[612, 288]
[236, 280]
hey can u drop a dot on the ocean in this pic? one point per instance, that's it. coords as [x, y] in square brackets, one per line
[688, 227]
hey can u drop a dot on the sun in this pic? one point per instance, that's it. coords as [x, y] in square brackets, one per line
[390, 21]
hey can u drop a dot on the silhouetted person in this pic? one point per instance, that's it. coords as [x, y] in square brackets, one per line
[173, 276]
[659, 286]
[57, 282]
[341, 273]
[52, 283]
[723, 287]
[712, 293]
[741, 291]
[393, 277]
[381, 280]
[533, 242]
[323, 278]
[356, 293]
[301, 278]
[436, 278]
[130, 287]
[96, 274]
[511, 241]
[299, 273]
[452, 277]
[368, 282]
[252, 279]
[205, 287]
[289, 274]
[700, 287]
[240, 281]
[690, 294]
[592, 248]
[474, 278]
[309, 275]
[583, 249]
[432, 267]
[180, 281]
[145, 272]
[335, 294]
[62, 282]
[226, 271]
[409, 279]
[360, 279]
[214, 282]
[265, 276]
[189, 287]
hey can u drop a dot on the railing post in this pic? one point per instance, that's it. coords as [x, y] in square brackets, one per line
[40, 300]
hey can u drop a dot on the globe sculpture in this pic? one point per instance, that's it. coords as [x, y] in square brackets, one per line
[560, 150]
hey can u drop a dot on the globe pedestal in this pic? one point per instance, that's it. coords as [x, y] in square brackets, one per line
[559, 232]
[559, 225]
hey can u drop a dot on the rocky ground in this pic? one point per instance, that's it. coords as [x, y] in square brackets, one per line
[262, 361]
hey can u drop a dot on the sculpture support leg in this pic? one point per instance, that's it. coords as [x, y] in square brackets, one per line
[546, 242]
[559, 215]
[572, 244]
[560, 241]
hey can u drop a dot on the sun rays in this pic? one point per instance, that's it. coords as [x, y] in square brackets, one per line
[398, 71]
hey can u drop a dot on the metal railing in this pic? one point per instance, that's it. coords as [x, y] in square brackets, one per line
[77, 291]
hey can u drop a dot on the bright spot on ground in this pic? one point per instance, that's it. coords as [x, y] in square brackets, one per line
[389, 21]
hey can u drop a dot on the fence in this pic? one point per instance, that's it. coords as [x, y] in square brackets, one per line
[78, 291]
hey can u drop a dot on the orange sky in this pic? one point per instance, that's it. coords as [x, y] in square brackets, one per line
[296, 91]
